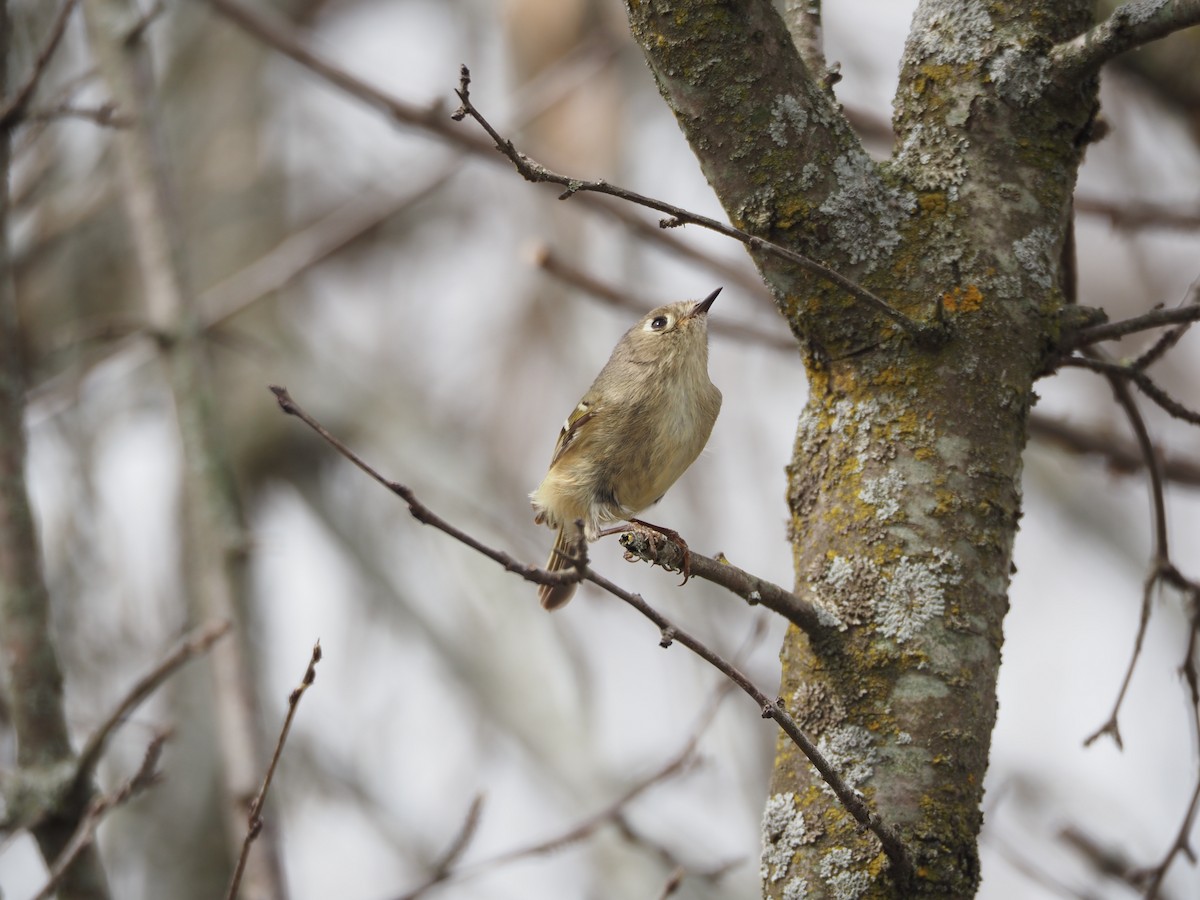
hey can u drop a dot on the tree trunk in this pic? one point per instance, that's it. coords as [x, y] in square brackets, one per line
[904, 485]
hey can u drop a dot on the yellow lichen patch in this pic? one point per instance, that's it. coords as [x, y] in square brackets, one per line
[933, 203]
[963, 299]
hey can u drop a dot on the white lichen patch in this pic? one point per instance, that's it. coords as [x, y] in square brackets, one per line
[951, 32]
[847, 586]
[852, 423]
[933, 158]
[1034, 253]
[851, 751]
[796, 889]
[845, 879]
[1141, 10]
[865, 214]
[783, 832]
[915, 594]
[1020, 77]
[786, 112]
[883, 494]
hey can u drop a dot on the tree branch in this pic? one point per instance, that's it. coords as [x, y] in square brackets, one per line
[924, 333]
[657, 549]
[853, 802]
[254, 822]
[146, 777]
[20, 101]
[1129, 26]
[1143, 381]
[192, 645]
[1157, 318]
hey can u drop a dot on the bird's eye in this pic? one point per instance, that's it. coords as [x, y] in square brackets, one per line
[658, 323]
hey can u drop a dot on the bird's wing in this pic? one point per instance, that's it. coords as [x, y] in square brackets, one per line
[575, 425]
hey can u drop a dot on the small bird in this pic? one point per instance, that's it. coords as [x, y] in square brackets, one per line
[643, 421]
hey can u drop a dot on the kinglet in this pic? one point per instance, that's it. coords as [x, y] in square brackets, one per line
[643, 421]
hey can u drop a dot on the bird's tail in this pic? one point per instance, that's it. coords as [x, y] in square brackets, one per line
[555, 595]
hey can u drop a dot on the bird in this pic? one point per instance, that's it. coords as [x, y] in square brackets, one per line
[638, 428]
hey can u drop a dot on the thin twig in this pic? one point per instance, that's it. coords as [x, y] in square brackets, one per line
[254, 822]
[926, 334]
[676, 765]
[1162, 552]
[854, 803]
[193, 644]
[146, 776]
[106, 115]
[20, 100]
[282, 37]
[660, 550]
[1182, 843]
[424, 514]
[1143, 381]
[1157, 318]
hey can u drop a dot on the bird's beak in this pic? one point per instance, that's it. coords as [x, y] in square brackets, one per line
[701, 308]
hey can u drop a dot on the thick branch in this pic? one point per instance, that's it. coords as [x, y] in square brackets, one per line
[1131, 25]
[34, 680]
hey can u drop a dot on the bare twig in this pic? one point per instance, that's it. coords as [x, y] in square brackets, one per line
[1154, 319]
[854, 803]
[280, 36]
[1154, 878]
[1162, 555]
[254, 821]
[1130, 25]
[146, 776]
[660, 550]
[20, 101]
[612, 813]
[192, 645]
[927, 334]
[106, 115]
[424, 514]
[1143, 381]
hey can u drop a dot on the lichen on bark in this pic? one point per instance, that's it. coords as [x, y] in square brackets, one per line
[904, 483]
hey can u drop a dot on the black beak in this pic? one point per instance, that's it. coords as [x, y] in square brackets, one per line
[701, 308]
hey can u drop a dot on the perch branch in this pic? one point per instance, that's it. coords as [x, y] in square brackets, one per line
[660, 550]
[853, 802]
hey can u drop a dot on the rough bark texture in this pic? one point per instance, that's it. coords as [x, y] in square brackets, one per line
[37, 794]
[904, 485]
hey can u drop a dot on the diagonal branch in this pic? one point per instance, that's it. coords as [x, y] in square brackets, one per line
[1157, 318]
[254, 821]
[146, 776]
[192, 645]
[1143, 381]
[924, 333]
[16, 107]
[660, 550]
[853, 802]
[1130, 26]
